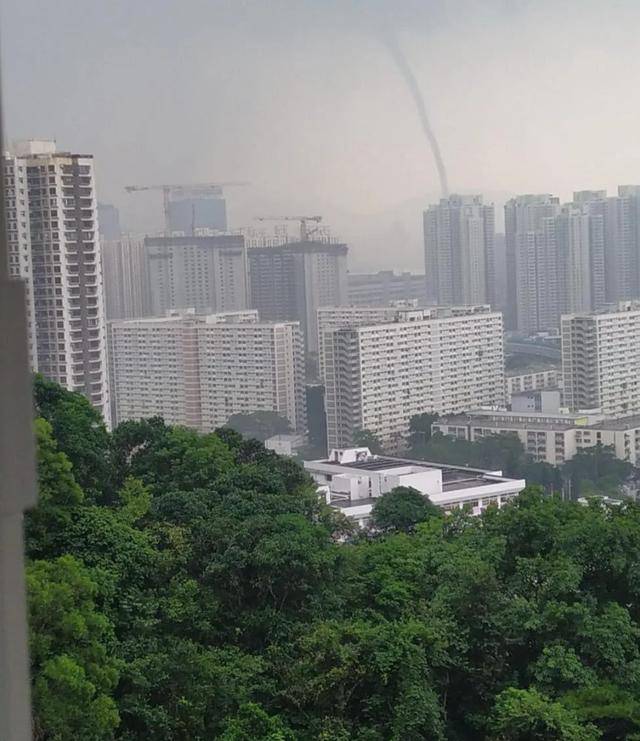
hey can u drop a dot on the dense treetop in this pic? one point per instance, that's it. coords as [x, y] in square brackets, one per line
[186, 586]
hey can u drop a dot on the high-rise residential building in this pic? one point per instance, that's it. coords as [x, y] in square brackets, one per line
[555, 257]
[57, 191]
[531, 262]
[292, 281]
[618, 218]
[601, 360]
[334, 317]
[125, 272]
[383, 287]
[16, 205]
[459, 251]
[198, 371]
[208, 274]
[377, 376]
[580, 259]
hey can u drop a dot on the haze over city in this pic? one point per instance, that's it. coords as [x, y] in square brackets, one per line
[303, 100]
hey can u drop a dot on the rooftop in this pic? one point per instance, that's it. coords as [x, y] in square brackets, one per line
[516, 420]
[453, 477]
[623, 423]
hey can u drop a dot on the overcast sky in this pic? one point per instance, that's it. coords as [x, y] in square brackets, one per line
[302, 98]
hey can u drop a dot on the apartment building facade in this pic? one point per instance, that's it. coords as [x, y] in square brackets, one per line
[207, 273]
[377, 376]
[459, 251]
[601, 360]
[125, 273]
[198, 371]
[290, 282]
[383, 287]
[549, 438]
[53, 228]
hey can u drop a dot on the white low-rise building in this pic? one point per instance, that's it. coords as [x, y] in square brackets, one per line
[552, 438]
[352, 479]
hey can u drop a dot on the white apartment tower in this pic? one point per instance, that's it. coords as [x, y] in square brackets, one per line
[601, 360]
[16, 207]
[532, 290]
[377, 376]
[198, 371]
[459, 235]
[57, 191]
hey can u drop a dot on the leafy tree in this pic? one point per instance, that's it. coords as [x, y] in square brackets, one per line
[80, 433]
[259, 425]
[58, 495]
[73, 669]
[420, 430]
[367, 439]
[529, 716]
[402, 509]
[207, 592]
[596, 470]
[254, 724]
[614, 710]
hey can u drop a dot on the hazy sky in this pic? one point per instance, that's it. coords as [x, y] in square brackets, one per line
[303, 99]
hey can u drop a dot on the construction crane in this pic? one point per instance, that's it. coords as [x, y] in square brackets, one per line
[305, 232]
[212, 189]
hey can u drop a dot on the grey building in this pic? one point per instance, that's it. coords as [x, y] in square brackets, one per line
[126, 278]
[555, 258]
[459, 251]
[292, 281]
[208, 274]
[383, 287]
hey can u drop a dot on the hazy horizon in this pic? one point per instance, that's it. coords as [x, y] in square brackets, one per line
[305, 101]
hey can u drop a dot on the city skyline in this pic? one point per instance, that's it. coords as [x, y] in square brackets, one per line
[535, 144]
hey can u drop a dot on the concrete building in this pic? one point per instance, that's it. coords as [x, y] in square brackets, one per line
[538, 400]
[377, 376]
[555, 259]
[601, 360]
[125, 273]
[383, 287]
[198, 371]
[16, 213]
[546, 378]
[459, 251]
[57, 223]
[286, 445]
[290, 282]
[351, 480]
[205, 273]
[530, 250]
[549, 437]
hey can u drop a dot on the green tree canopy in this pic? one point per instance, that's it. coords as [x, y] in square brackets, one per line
[367, 439]
[206, 592]
[402, 509]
